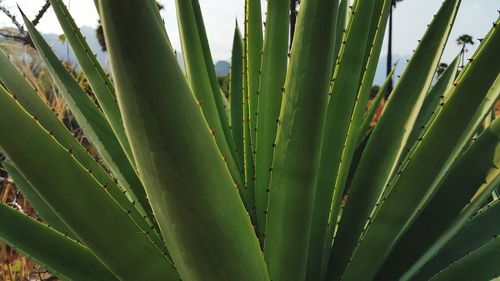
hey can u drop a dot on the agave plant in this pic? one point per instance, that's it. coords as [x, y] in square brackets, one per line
[291, 183]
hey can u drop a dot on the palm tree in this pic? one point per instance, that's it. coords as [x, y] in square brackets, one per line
[389, 46]
[463, 41]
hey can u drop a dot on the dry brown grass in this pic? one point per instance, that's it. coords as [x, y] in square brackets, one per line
[14, 266]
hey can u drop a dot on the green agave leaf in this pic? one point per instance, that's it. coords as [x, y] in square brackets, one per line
[247, 139]
[31, 101]
[487, 120]
[347, 84]
[236, 96]
[475, 167]
[342, 21]
[218, 95]
[345, 112]
[249, 159]
[199, 81]
[485, 192]
[377, 31]
[203, 220]
[491, 182]
[296, 157]
[227, 112]
[355, 162]
[332, 228]
[486, 105]
[81, 202]
[481, 264]
[430, 107]
[91, 120]
[372, 55]
[59, 254]
[272, 80]
[467, 104]
[378, 24]
[102, 87]
[388, 138]
[254, 45]
[477, 232]
[40, 206]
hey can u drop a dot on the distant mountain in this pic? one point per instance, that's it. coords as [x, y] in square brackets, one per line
[222, 68]
[64, 52]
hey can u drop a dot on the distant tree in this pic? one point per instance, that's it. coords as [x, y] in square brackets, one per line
[223, 82]
[99, 32]
[374, 91]
[463, 41]
[441, 68]
[21, 35]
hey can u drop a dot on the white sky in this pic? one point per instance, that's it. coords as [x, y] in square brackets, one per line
[410, 20]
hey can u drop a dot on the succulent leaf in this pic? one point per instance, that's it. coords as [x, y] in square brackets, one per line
[298, 141]
[71, 190]
[42, 209]
[473, 172]
[442, 143]
[254, 45]
[213, 238]
[476, 232]
[57, 252]
[345, 112]
[92, 121]
[283, 179]
[200, 83]
[236, 96]
[272, 80]
[102, 86]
